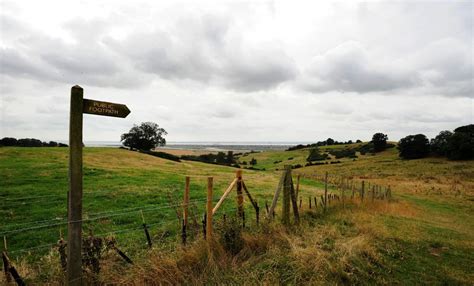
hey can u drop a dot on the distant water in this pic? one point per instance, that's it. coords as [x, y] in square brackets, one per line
[210, 146]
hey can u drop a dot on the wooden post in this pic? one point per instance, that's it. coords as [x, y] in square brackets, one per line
[6, 267]
[254, 203]
[342, 195]
[297, 186]
[271, 212]
[285, 214]
[145, 228]
[315, 203]
[293, 198]
[257, 214]
[74, 235]
[209, 209]
[373, 193]
[352, 187]
[362, 190]
[204, 227]
[325, 192]
[309, 202]
[240, 196]
[186, 201]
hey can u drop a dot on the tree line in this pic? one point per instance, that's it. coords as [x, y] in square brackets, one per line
[456, 145]
[28, 142]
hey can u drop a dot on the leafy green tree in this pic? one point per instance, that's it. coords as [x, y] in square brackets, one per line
[414, 147]
[253, 162]
[439, 144]
[330, 141]
[315, 155]
[461, 144]
[8, 141]
[146, 136]
[380, 141]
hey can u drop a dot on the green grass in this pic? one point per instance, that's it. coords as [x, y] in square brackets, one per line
[424, 237]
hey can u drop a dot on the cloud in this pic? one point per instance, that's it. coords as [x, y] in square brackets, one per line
[208, 49]
[443, 67]
[349, 68]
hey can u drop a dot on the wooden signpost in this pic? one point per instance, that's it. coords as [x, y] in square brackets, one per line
[80, 105]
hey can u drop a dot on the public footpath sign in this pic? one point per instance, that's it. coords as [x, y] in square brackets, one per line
[105, 108]
[80, 105]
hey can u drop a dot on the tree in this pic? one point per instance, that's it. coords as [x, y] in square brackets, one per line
[330, 141]
[8, 141]
[253, 162]
[230, 157]
[315, 155]
[220, 158]
[145, 137]
[439, 144]
[414, 147]
[461, 144]
[380, 141]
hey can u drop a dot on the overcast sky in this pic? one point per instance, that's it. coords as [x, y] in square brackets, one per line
[239, 70]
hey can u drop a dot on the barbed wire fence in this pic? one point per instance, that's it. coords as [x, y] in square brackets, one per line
[154, 223]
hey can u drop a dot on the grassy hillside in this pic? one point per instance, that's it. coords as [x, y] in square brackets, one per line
[424, 236]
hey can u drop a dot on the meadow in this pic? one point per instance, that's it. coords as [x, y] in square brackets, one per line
[423, 236]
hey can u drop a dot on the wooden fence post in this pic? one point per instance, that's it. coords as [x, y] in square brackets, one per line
[297, 186]
[186, 201]
[285, 215]
[294, 203]
[147, 234]
[373, 193]
[6, 266]
[271, 212]
[240, 196]
[185, 210]
[209, 209]
[362, 190]
[325, 192]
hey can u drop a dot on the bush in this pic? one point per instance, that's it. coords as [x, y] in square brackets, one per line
[343, 153]
[379, 140]
[30, 142]
[315, 155]
[439, 145]
[414, 147]
[231, 236]
[162, 155]
[461, 144]
[8, 141]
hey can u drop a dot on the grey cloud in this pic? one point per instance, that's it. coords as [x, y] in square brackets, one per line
[443, 67]
[37, 56]
[205, 49]
[349, 68]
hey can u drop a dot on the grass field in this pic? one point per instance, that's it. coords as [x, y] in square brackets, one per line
[425, 236]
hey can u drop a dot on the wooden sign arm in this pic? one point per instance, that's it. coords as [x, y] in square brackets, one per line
[248, 195]
[226, 193]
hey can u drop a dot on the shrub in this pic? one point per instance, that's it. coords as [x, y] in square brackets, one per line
[379, 140]
[461, 144]
[414, 147]
[439, 144]
[315, 155]
[163, 155]
[231, 236]
[8, 141]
